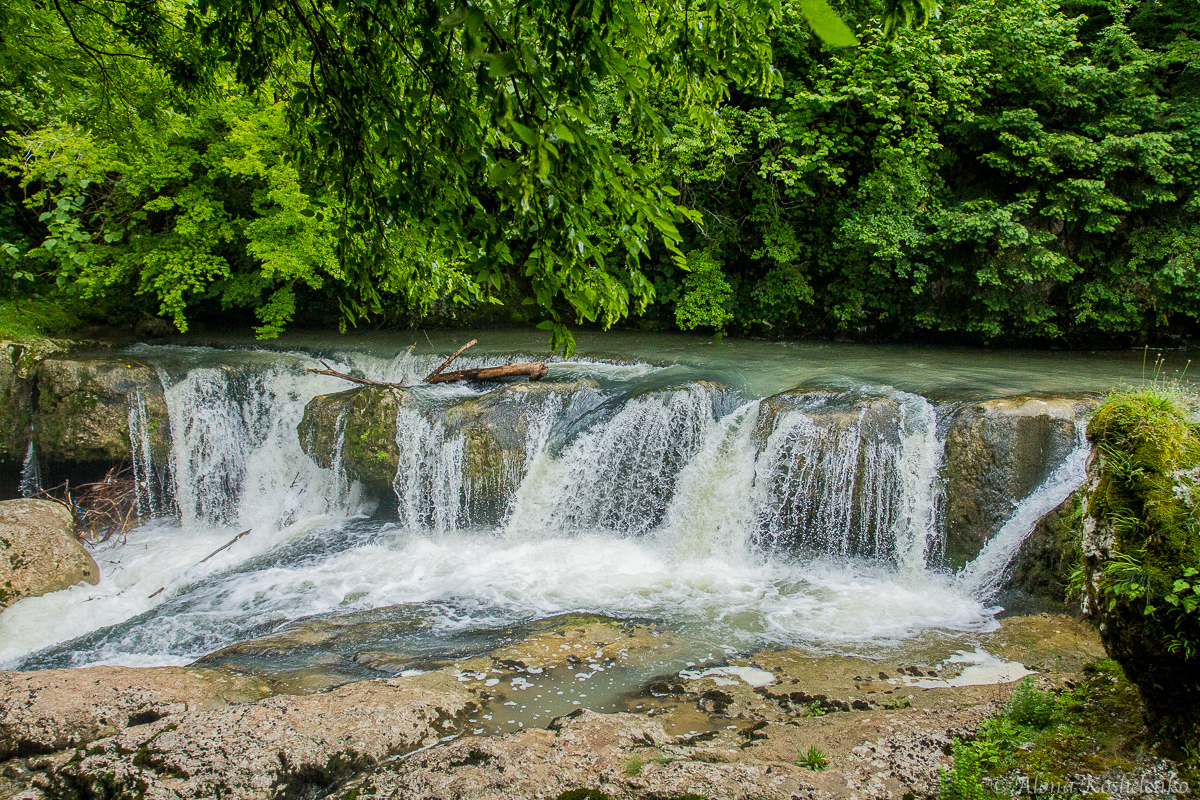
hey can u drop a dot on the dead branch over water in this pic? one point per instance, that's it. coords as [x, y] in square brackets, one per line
[534, 370]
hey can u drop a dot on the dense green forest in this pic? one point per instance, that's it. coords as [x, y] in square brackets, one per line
[1016, 171]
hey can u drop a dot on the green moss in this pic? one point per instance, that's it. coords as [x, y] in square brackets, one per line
[583, 794]
[1144, 498]
[33, 319]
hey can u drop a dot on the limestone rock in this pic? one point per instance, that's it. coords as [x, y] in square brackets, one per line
[83, 408]
[49, 710]
[581, 751]
[1140, 508]
[39, 552]
[997, 452]
[16, 407]
[18, 364]
[1042, 567]
[494, 427]
[281, 746]
[365, 420]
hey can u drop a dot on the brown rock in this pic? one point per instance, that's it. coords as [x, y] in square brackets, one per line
[49, 710]
[282, 746]
[39, 552]
[997, 452]
[83, 408]
[583, 750]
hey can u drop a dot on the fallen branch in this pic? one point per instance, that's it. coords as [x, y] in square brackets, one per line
[219, 549]
[536, 370]
[330, 371]
[431, 376]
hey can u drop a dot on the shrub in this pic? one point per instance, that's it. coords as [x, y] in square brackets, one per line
[1030, 706]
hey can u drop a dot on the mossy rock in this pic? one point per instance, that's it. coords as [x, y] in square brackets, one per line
[1049, 555]
[365, 418]
[18, 368]
[16, 406]
[495, 428]
[83, 405]
[1141, 549]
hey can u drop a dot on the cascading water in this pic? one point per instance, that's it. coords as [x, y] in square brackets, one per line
[742, 521]
[149, 501]
[984, 576]
[429, 477]
[31, 473]
[851, 476]
[619, 474]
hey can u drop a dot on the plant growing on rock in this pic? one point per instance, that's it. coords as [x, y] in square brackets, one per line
[1141, 549]
[814, 759]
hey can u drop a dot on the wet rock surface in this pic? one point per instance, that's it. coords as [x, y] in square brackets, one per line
[280, 746]
[39, 552]
[358, 429]
[18, 369]
[736, 730]
[83, 408]
[1042, 567]
[996, 453]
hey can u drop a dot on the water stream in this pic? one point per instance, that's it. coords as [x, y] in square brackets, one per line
[665, 491]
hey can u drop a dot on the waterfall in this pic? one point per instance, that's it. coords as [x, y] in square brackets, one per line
[429, 477]
[31, 473]
[619, 474]
[235, 456]
[713, 507]
[984, 576]
[846, 475]
[920, 459]
[804, 517]
[148, 502]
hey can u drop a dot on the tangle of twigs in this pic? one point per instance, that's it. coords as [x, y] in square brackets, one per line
[104, 510]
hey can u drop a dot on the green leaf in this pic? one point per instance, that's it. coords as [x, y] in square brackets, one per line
[826, 24]
[524, 133]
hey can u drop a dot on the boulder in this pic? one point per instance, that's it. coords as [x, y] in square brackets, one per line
[1141, 549]
[83, 409]
[358, 428]
[997, 452]
[50, 710]
[39, 552]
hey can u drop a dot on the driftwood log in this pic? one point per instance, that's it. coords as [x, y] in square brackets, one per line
[535, 370]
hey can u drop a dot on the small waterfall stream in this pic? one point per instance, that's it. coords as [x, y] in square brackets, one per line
[811, 520]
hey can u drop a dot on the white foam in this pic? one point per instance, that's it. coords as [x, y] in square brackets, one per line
[983, 669]
[723, 676]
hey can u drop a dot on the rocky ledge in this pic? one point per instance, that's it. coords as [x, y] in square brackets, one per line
[732, 732]
[76, 408]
